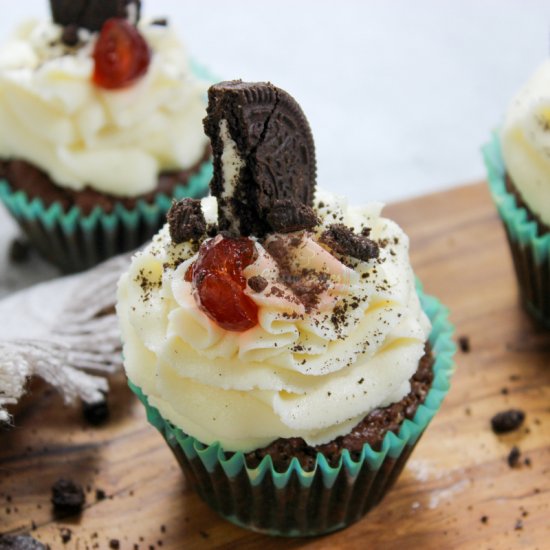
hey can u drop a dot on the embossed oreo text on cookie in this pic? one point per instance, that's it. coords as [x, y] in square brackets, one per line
[91, 14]
[263, 152]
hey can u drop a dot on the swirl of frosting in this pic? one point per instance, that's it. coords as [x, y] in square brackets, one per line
[116, 142]
[310, 368]
[525, 139]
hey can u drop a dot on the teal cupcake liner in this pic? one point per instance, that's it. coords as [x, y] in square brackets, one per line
[530, 248]
[74, 242]
[308, 503]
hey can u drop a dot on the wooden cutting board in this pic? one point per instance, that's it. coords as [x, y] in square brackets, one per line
[457, 475]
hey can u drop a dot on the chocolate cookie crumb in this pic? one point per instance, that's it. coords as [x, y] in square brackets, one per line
[19, 251]
[513, 457]
[160, 22]
[484, 519]
[343, 240]
[507, 421]
[464, 344]
[66, 535]
[100, 494]
[257, 283]
[96, 413]
[114, 544]
[287, 215]
[186, 221]
[69, 36]
[67, 497]
[20, 542]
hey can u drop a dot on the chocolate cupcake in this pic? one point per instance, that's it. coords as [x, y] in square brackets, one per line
[100, 117]
[518, 164]
[275, 334]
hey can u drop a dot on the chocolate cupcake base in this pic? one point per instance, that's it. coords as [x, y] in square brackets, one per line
[299, 500]
[528, 237]
[76, 231]
[533, 273]
[293, 510]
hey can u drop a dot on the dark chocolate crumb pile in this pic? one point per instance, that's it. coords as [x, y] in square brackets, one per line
[97, 413]
[371, 429]
[274, 143]
[186, 221]
[342, 240]
[507, 421]
[287, 216]
[306, 284]
[21, 542]
[67, 497]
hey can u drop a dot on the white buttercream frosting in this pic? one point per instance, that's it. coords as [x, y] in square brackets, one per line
[525, 139]
[312, 374]
[115, 141]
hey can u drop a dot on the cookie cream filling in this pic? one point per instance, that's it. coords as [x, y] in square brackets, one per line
[525, 139]
[307, 369]
[232, 164]
[117, 142]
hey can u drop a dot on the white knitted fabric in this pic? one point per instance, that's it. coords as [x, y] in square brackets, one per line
[60, 331]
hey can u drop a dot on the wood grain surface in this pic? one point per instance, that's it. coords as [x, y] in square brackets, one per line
[457, 475]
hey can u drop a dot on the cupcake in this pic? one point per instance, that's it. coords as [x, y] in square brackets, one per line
[275, 333]
[518, 164]
[100, 128]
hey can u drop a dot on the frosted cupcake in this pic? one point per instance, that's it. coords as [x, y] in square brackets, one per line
[275, 333]
[100, 127]
[518, 163]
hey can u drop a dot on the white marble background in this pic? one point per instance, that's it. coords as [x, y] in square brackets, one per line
[400, 94]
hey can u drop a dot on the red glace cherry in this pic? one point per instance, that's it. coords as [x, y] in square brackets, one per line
[121, 55]
[217, 277]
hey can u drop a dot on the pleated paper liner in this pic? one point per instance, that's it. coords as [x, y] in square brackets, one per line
[530, 249]
[301, 503]
[74, 242]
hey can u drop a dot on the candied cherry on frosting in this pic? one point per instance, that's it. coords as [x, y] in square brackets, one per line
[217, 276]
[121, 55]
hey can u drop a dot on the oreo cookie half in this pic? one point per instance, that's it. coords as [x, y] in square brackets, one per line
[91, 14]
[263, 153]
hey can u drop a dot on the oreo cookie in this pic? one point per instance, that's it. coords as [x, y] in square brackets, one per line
[288, 215]
[342, 240]
[263, 153]
[186, 221]
[91, 14]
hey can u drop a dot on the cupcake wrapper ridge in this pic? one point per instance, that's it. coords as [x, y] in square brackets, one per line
[301, 503]
[530, 251]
